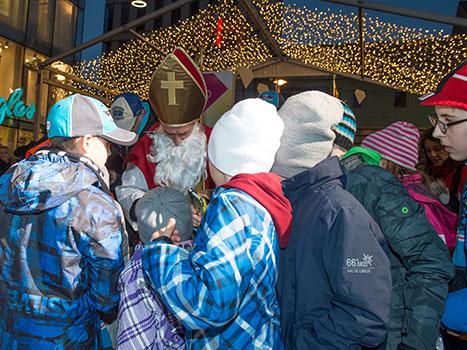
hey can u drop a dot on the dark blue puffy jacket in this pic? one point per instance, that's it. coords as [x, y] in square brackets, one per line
[334, 281]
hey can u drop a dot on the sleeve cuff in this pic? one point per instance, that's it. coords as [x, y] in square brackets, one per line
[163, 239]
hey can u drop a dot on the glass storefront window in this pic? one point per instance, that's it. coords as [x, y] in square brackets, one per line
[15, 134]
[64, 24]
[11, 64]
[13, 13]
[40, 23]
[18, 68]
[8, 137]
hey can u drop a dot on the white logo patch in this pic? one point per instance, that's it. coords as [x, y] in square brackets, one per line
[356, 265]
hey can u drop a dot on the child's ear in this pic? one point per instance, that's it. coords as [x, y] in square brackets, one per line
[85, 144]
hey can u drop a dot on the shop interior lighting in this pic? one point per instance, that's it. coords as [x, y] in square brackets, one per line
[59, 77]
[280, 82]
[61, 66]
[6, 45]
[139, 3]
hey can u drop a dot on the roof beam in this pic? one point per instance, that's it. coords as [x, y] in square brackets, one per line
[261, 25]
[82, 81]
[57, 84]
[346, 75]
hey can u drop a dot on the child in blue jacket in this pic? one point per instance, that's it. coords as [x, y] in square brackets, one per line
[223, 291]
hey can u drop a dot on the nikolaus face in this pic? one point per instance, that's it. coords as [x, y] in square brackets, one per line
[178, 134]
[455, 139]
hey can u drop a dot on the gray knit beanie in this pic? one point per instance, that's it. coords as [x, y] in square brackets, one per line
[308, 137]
[155, 209]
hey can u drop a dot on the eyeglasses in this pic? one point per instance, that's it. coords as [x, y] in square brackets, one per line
[443, 126]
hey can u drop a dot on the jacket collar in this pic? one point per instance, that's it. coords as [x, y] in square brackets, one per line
[324, 172]
[102, 182]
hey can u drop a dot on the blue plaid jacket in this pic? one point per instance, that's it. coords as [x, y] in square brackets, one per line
[60, 255]
[223, 291]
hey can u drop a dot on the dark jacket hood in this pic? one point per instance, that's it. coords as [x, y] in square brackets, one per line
[267, 190]
[328, 170]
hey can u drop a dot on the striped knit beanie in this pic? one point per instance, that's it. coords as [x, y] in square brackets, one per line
[346, 129]
[397, 143]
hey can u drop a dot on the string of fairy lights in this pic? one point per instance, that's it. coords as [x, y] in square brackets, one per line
[411, 59]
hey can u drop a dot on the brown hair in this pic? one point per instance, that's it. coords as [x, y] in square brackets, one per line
[67, 144]
[396, 169]
[399, 171]
[425, 161]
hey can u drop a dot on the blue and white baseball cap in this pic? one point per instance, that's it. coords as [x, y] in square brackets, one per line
[79, 115]
[125, 109]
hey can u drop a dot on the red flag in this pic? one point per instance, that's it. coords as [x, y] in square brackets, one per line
[219, 32]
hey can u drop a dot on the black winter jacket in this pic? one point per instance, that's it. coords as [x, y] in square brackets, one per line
[334, 280]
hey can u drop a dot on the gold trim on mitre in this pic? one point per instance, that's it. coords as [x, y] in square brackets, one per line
[177, 91]
[180, 125]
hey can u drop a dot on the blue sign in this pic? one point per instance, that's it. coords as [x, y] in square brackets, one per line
[15, 108]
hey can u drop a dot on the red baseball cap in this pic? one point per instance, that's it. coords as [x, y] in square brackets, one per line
[451, 92]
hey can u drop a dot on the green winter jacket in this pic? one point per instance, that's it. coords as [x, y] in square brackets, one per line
[420, 263]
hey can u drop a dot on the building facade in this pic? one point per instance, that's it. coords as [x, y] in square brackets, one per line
[30, 32]
[120, 12]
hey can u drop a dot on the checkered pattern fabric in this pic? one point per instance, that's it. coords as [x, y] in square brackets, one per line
[223, 291]
[143, 321]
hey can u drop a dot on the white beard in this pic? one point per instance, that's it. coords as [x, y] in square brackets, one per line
[180, 167]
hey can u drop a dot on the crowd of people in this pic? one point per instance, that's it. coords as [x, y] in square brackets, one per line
[139, 227]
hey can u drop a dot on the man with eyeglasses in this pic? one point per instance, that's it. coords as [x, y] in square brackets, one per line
[450, 122]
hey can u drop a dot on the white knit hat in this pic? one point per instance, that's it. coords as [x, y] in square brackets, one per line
[398, 143]
[246, 138]
[308, 137]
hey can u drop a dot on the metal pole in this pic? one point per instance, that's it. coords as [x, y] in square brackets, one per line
[116, 31]
[361, 41]
[146, 41]
[37, 118]
[82, 81]
[73, 89]
[429, 16]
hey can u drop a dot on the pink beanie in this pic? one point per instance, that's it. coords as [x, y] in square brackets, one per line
[398, 143]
